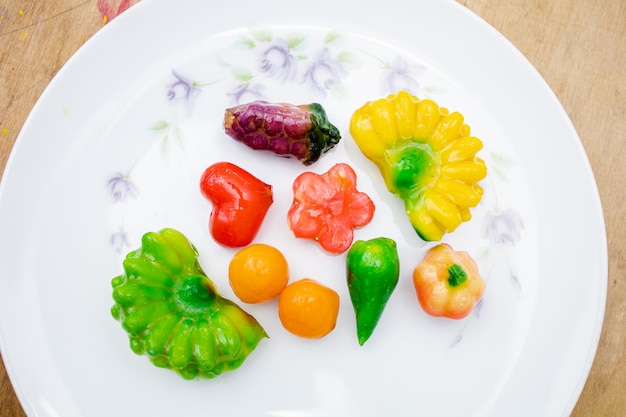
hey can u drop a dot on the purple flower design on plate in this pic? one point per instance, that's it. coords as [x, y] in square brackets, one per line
[121, 187]
[475, 314]
[325, 72]
[119, 241]
[503, 228]
[183, 90]
[278, 62]
[457, 339]
[245, 92]
[402, 76]
[515, 281]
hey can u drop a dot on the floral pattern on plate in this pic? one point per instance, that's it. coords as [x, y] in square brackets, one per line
[501, 228]
[328, 66]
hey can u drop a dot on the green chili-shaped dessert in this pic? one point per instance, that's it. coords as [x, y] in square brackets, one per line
[373, 269]
[173, 313]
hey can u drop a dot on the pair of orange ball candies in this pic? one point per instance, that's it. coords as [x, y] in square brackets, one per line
[306, 308]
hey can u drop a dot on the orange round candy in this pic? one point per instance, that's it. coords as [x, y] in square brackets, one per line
[308, 309]
[258, 273]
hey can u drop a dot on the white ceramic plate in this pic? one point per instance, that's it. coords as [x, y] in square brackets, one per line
[115, 148]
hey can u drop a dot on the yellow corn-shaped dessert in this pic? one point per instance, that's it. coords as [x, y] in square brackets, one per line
[426, 156]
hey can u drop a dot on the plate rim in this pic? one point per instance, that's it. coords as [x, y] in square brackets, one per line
[129, 15]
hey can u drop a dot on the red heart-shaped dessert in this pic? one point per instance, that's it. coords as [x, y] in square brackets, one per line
[240, 203]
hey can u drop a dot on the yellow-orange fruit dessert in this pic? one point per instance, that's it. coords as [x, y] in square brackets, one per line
[308, 309]
[448, 282]
[258, 273]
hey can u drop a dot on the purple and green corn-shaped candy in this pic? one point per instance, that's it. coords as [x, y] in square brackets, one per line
[300, 131]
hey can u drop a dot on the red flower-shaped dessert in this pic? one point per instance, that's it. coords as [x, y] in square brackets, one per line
[328, 207]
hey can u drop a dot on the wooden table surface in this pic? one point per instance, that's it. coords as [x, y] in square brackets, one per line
[579, 47]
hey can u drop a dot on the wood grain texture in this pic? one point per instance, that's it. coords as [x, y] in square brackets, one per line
[578, 47]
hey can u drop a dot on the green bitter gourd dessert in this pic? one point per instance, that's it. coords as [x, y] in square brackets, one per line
[174, 314]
